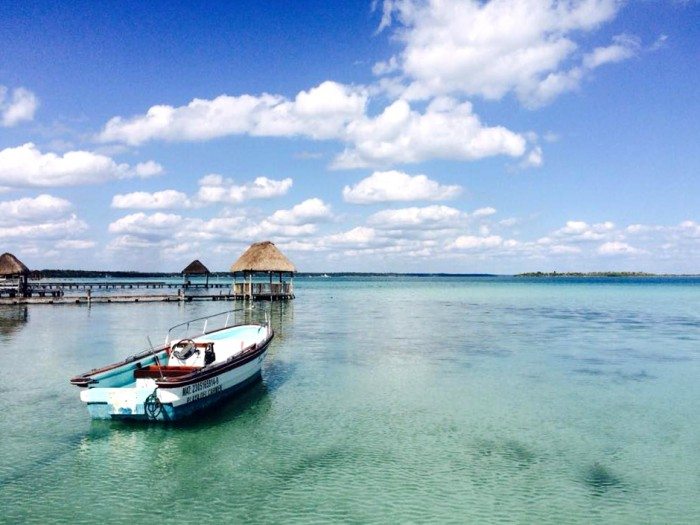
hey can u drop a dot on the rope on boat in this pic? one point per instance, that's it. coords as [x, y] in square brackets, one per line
[152, 405]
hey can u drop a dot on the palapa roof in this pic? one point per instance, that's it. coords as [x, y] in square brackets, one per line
[11, 265]
[263, 257]
[195, 268]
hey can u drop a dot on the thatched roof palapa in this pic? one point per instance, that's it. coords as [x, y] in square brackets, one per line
[263, 257]
[11, 265]
[195, 268]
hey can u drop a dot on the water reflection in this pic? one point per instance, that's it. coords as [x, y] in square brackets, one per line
[12, 318]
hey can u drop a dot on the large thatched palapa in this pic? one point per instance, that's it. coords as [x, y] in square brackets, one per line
[263, 258]
[12, 266]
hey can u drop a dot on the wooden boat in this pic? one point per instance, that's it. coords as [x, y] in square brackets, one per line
[180, 377]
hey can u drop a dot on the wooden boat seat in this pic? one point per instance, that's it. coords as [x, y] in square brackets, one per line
[154, 372]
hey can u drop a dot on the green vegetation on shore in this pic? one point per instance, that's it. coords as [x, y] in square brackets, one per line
[587, 274]
[102, 274]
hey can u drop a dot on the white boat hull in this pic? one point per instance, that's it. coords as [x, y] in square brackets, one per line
[172, 403]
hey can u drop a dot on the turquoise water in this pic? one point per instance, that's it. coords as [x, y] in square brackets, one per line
[382, 400]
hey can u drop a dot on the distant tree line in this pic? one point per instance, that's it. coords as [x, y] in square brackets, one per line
[587, 274]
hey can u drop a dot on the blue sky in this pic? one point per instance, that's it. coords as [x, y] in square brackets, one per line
[416, 136]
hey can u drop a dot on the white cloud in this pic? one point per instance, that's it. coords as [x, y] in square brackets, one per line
[447, 130]
[533, 158]
[616, 248]
[17, 108]
[214, 188]
[319, 113]
[386, 186]
[330, 111]
[158, 200]
[484, 212]
[525, 47]
[689, 229]
[50, 229]
[580, 231]
[564, 249]
[309, 211]
[26, 166]
[41, 222]
[168, 231]
[624, 47]
[155, 225]
[147, 169]
[30, 210]
[472, 242]
[75, 244]
[359, 236]
[430, 217]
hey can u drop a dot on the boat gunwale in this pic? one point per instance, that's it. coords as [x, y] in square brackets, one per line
[86, 379]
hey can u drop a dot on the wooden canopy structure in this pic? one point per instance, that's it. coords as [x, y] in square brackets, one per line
[263, 258]
[11, 266]
[196, 268]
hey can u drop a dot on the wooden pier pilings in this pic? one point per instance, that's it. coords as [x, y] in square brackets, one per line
[113, 298]
[85, 292]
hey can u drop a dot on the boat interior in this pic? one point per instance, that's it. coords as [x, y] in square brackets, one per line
[184, 356]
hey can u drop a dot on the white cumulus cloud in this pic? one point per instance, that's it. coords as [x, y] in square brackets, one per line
[18, 107]
[42, 217]
[43, 207]
[473, 242]
[75, 244]
[387, 186]
[447, 130]
[359, 236]
[155, 225]
[616, 248]
[330, 111]
[158, 200]
[470, 47]
[429, 217]
[309, 211]
[216, 189]
[320, 113]
[26, 166]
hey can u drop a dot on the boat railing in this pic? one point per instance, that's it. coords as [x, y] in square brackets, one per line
[229, 320]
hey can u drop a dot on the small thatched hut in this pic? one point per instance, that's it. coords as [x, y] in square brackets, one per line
[263, 258]
[11, 266]
[195, 268]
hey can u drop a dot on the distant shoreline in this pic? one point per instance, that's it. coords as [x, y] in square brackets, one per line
[102, 274]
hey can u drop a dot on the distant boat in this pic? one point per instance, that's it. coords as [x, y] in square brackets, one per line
[181, 377]
[326, 276]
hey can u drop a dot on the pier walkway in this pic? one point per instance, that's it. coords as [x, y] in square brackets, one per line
[86, 292]
[113, 298]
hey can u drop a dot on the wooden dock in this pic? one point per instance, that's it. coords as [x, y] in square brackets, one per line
[113, 285]
[85, 292]
[110, 298]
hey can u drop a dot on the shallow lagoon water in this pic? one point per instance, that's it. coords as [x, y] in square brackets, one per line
[382, 400]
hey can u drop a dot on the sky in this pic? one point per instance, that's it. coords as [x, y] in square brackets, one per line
[498, 136]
